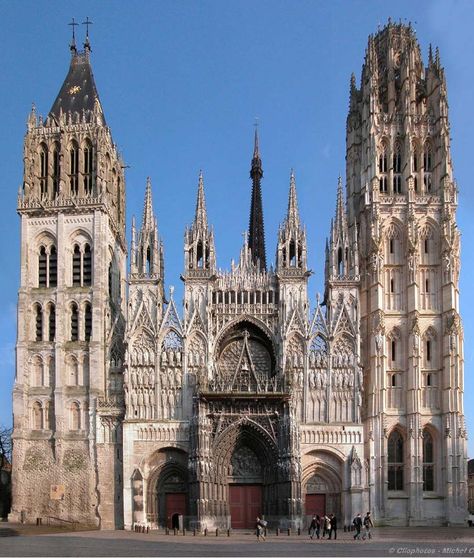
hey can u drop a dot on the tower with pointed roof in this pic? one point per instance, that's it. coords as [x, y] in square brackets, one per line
[68, 401]
[402, 201]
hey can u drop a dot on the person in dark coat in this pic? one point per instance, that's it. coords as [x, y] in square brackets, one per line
[314, 527]
[333, 528]
[358, 526]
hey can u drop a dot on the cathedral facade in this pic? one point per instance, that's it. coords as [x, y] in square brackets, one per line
[247, 401]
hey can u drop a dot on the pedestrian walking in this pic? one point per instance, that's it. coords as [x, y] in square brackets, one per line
[312, 527]
[327, 524]
[260, 528]
[333, 526]
[368, 523]
[357, 522]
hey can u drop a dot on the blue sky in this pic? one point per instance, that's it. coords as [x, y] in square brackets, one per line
[181, 83]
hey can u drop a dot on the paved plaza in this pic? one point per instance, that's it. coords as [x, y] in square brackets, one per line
[441, 541]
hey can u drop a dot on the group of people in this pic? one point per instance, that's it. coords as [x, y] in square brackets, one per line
[367, 523]
[327, 524]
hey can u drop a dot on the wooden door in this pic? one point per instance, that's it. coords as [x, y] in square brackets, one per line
[245, 503]
[316, 504]
[175, 504]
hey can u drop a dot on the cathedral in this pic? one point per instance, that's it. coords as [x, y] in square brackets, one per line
[248, 400]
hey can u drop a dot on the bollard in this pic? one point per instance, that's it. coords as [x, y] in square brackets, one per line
[228, 532]
[299, 531]
[184, 531]
[175, 531]
[194, 532]
[217, 532]
[277, 531]
[205, 532]
[289, 531]
[167, 531]
[265, 532]
[345, 528]
[147, 529]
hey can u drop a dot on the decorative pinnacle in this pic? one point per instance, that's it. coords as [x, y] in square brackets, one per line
[201, 213]
[148, 221]
[293, 213]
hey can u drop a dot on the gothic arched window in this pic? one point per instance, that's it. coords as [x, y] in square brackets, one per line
[76, 266]
[37, 372]
[42, 267]
[43, 171]
[74, 322]
[56, 169]
[37, 416]
[87, 266]
[87, 321]
[51, 322]
[53, 267]
[395, 461]
[397, 170]
[428, 462]
[383, 168]
[88, 168]
[427, 166]
[38, 322]
[75, 411]
[74, 169]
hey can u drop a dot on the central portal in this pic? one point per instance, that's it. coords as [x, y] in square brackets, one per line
[245, 488]
[245, 505]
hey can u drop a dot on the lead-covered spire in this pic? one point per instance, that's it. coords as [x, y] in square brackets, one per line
[256, 229]
[78, 93]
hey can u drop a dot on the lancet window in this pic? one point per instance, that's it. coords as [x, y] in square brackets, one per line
[51, 322]
[74, 169]
[428, 461]
[81, 265]
[397, 170]
[74, 313]
[395, 461]
[47, 266]
[88, 168]
[43, 157]
[383, 168]
[56, 169]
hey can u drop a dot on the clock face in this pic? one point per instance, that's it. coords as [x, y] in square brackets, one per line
[75, 89]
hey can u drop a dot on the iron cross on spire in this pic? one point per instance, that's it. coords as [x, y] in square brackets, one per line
[88, 22]
[73, 24]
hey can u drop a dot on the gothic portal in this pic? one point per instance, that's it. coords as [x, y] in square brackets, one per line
[250, 402]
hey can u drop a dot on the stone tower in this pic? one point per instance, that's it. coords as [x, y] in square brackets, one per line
[402, 200]
[67, 401]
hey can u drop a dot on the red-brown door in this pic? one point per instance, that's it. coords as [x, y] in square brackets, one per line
[245, 502]
[175, 505]
[315, 504]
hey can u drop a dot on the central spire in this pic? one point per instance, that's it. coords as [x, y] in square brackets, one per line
[256, 230]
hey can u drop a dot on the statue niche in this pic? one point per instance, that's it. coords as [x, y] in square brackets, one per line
[245, 361]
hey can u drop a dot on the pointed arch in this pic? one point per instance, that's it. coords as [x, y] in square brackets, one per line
[396, 452]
